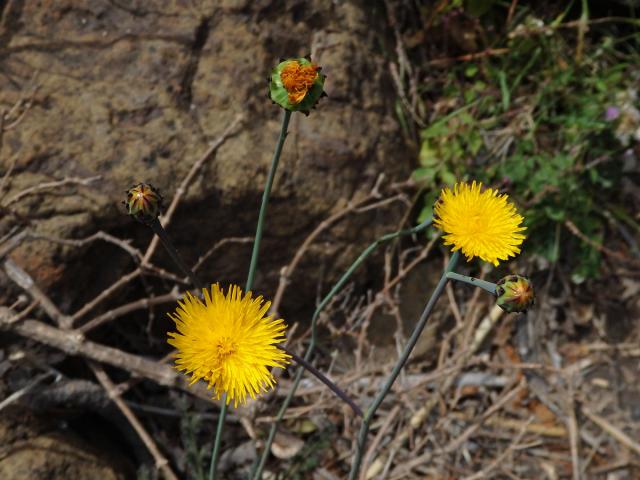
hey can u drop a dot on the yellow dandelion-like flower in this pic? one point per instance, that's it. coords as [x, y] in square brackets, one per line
[479, 222]
[228, 341]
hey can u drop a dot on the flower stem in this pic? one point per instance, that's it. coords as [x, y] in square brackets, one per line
[216, 444]
[257, 468]
[265, 200]
[159, 230]
[476, 282]
[371, 411]
[252, 269]
[320, 376]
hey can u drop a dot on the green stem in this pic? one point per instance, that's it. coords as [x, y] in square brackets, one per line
[417, 331]
[175, 256]
[265, 200]
[476, 282]
[256, 471]
[216, 444]
[252, 268]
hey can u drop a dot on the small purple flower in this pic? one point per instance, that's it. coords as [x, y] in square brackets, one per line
[611, 113]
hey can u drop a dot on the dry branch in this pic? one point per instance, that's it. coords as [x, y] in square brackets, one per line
[162, 463]
[24, 280]
[613, 431]
[51, 185]
[73, 343]
[184, 185]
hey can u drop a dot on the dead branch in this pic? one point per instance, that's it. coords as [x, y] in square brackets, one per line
[572, 227]
[24, 280]
[105, 294]
[162, 463]
[484, 473]
[218, 245]
[50, 185]
[73, 343]
[355, 206]
[80, 242]
[612, 430]
[186, 182]
[143, 303]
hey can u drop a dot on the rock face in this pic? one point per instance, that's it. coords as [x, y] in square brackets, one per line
[31, 450]
[135, 91]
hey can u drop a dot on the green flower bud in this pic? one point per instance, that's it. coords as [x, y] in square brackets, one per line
[515, 293]
[143, 202]
[296, 85]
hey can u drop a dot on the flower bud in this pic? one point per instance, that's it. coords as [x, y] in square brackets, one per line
[143, 202]
[296, 84]
[514, 293]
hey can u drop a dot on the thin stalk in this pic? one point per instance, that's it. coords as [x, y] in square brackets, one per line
[320, 376]
[252, 269]
[257, 468]
[476, 282]
[166, 242]
[417, 331]
[159, 230]
[265, 199]
[216, 444]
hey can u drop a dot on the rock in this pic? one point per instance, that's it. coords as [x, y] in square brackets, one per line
[136, 91]
[31, 450]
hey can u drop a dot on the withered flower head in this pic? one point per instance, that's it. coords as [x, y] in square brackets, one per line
[296, 84]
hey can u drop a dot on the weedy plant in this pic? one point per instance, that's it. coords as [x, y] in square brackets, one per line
[550, 116]
[230, 340]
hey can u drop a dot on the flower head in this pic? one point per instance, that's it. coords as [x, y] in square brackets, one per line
[514, 293]
[228, 341]
[143, 202]
[479, 222]
[296, 84]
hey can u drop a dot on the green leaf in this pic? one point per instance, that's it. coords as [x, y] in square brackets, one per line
[470, 71]
[428, 155]
[424, 175]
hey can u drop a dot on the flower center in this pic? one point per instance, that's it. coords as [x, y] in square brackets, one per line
[225, 348]
[297, 79]
[476, 224]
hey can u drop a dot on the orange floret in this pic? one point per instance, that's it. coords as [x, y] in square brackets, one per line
[297, 79]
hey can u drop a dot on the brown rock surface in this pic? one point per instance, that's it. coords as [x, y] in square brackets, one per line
[135, 91]
[29, 450]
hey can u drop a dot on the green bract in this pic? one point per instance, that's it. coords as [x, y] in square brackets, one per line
[515, 293]
[280, 95]
[143, 202]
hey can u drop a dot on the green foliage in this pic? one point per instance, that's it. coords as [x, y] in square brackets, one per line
[196, 453]
[146, 473]
[532, 121]
[310, 456]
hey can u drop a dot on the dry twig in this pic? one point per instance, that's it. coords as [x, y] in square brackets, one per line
[186, 182]
[49, 186]
[162, 463]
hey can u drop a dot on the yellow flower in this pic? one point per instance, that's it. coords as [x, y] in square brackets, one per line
[228, 341]
[480, 223]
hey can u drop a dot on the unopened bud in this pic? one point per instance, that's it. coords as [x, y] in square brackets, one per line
[515, 293]
[143, 202]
